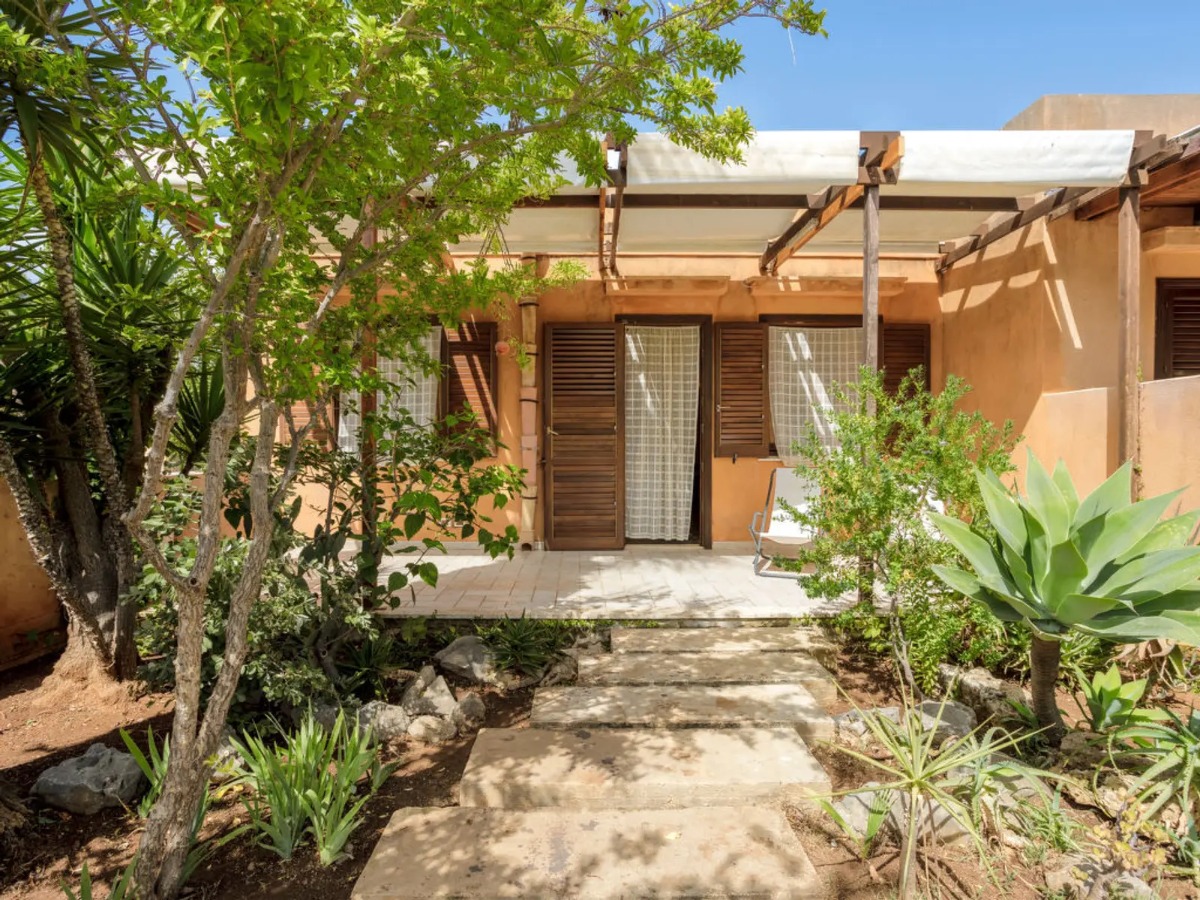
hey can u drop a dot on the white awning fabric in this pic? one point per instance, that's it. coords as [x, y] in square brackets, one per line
[969, 164]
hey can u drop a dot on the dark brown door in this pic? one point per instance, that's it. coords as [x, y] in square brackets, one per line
[585, 436]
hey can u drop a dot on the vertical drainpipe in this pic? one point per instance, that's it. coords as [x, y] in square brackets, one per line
[530, 434]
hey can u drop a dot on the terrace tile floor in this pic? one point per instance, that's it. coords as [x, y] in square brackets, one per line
[647, 581]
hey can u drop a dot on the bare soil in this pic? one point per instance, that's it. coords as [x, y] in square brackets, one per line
[44, 720]
[40, 727]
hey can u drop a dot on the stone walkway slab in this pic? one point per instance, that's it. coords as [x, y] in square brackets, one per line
[682, 706]
[736, 852]
[811, 641]
[639, 769]
[709, 668]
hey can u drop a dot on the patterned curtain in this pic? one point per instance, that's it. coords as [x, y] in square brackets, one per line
[662, 396]
[805, 364]
[416, 392]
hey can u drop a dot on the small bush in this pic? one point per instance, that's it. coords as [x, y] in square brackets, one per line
[525, 645]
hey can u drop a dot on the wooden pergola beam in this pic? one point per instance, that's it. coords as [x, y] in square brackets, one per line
[1129, 257]
[611, 201]
[990, 232]
[881, 153]
[1175, 168]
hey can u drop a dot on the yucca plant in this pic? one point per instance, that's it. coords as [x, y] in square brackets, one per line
[959, 775]
[1103, 566]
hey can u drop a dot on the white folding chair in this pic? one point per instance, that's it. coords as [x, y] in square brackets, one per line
[776, 525]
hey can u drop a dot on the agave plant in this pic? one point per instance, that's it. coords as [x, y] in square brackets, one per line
[1103, 566]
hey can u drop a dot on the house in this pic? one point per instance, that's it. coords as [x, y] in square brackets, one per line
[1053, 264]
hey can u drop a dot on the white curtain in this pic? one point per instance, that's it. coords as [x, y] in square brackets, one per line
[805, 364]
[662, 396]
[413, 390]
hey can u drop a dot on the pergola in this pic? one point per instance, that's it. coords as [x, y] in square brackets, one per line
[942, 195]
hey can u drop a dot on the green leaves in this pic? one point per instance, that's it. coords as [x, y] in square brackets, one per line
[1104, 566]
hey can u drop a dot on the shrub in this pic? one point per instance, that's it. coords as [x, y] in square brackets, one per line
[525, 645]
[315, 782]
[313, 634]
[895, 458]
[1103, 566]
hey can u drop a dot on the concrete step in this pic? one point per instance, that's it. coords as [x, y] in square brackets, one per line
[584, 706]
[811, 641]
[639, 768]
[720, 667]
[601, 855]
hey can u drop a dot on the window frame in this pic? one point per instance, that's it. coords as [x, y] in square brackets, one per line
[1166, 292]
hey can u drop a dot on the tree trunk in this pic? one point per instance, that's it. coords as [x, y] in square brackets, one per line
[1044, 660]
[167, 840]
[114, 619]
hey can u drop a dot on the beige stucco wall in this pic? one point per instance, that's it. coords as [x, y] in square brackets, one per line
[1032, 324]
[1170, 443]
[27, 603]
[1168, 114]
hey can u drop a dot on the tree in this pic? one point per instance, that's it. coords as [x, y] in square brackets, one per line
[896, 457]
[329, 147]
[1102, 566]
[51, 74]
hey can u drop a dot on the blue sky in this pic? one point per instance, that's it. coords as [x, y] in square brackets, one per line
[961, 63]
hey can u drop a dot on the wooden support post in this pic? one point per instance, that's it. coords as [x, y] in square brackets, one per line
[1129, 256]
[871, 276]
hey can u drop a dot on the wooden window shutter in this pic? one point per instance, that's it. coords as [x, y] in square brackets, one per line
[470, 380]
[1177, 329]
[743, 426]
[905, 346]
[302, 413]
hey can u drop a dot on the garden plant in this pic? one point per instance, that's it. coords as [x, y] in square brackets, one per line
[1102, 565]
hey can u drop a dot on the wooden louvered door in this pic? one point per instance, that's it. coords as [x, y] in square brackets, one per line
[1177, 328]
[585, 436]
[743, 426]
[905, 346]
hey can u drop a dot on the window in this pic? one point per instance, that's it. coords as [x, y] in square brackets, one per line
[775, 378]
[805, 365]
[468, 382]
[1177, 328]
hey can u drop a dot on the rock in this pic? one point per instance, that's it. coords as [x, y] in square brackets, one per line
[514, 681]
[988, 696]
[950, 720]
[469, 714]
[428, 695]
[387, 721]
[562, 671]
[100, 779]
[431, 729]
[469, 657]
[934, 821]
[1089, 879]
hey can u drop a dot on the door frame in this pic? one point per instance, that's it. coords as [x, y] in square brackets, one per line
[545, 351]
[704, 449]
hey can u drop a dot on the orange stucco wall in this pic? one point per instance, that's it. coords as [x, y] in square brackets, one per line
[27, 603]
[1032, 324]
